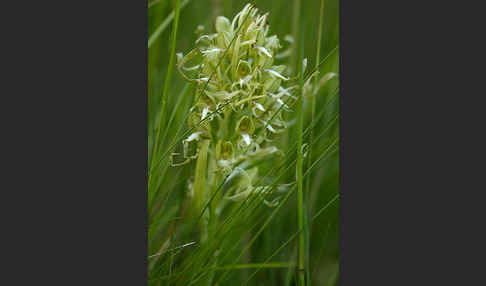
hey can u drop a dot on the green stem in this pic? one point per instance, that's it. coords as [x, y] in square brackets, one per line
[313, 112]
[316, 81]
[161, 28]
[300, 127]
[295, 33]
[200, 177]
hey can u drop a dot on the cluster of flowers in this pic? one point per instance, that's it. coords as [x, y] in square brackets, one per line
[239, 96]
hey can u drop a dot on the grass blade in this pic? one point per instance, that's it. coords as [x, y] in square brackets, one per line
[299, 167]
[156, 34]
[168, 80]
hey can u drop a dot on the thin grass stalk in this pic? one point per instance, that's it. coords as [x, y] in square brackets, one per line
[299, 167]
[153, 3]
[295, 33]
[168, 80]
[161, 28]
[313, 112]
[316, 80]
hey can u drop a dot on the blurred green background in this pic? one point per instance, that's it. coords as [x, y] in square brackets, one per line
[167, 200]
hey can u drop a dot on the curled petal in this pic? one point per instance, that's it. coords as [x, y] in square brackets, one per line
[246, 138]
[215, 50]
[276, 74]
[193, 136]
[264, 51]
[205, 112]
[259, 106]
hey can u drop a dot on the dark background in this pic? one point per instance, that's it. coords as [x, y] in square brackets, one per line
[411, 150]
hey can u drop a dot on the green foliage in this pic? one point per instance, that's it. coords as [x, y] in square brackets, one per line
[220, 212]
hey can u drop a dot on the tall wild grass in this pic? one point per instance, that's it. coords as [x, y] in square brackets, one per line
[243, 142]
